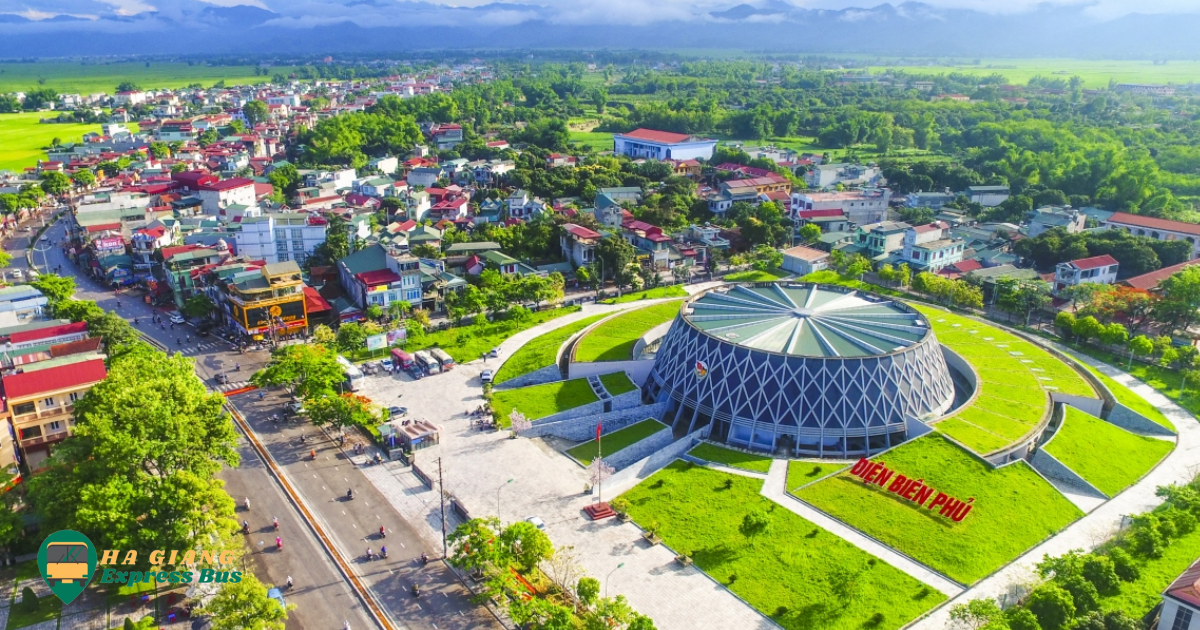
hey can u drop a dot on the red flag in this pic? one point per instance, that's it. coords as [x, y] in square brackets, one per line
[598, 431]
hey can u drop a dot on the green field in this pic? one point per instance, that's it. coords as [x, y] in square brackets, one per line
[22, 139]
[1015, 375]
[614, 339]
[598, 140]
[648, 294]
[91, 76]
[1084, 444]
[617, 383]
[1014, 509]
[801, 576]
[1094, 72]
[541, 351]
[467, 343]
[754, 275]
[616, 440]
[800, 472]
[1126, 397]
[539, 401]
[729, 457]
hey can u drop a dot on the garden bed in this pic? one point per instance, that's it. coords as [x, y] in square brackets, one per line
[1104, 454]
[539, 401]
[757, 275]
[614, 339]
[617, 383]
[1014, 509]
[798, 574]
[617, 440]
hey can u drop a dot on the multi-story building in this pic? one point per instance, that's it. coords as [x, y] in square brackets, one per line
[20, 304]
[40, 403]
[662, 145]
[1093, 270]
[868, 205]
[881, 239]
[216, 196]
[269, 304]
[376, 276]
[928, 248]
[1157, 229]
[825, 175]
[281, 237]
[932, 200]
[803, 260]
[180, 262]
[579, 244]
[1047, 217]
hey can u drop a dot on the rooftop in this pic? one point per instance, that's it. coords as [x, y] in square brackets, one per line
[807, 320]
[663, 137]
[1125, 218]
[1094, 262]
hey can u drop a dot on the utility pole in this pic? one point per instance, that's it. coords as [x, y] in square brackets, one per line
[442, 497]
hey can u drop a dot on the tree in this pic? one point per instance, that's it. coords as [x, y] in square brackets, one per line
[1065, 323]
[116, 335]
[341, 411]
[615, 255]
[245, 605]
[1021, 619]
[587, 590]
[374, 312]
[1140, 346]
[311, 370]
[1180, 298]
[29, 601]
[976, 614]
[255, 112]
[128, 86]
[755, 524]
[323, 335]
[1087, 328]
[198, 306]
[351, 336]
[1101, 572]
[336, 245]
[527, 544]
[139, 471]
[160, 150]
[473, 545]
[83, 178]
[1114, 335]
[55, 288]
[1053, 606]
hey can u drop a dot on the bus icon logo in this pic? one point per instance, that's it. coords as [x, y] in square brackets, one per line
[67, 561]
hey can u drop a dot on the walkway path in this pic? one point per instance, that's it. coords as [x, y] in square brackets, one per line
[1008, 584]
[775, 490]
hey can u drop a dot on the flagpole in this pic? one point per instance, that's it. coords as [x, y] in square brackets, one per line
[600, 458]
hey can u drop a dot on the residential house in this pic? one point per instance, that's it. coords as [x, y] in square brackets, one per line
[424, 176]
[270, 302]
[931, 200]
[662, 145]
[1150, 281]
[1096, 269]
[521, 205]
[377, 277]
[803, 260]
[880, 240]
[446, 136]
[1157, 229]
[579, 244]
[827, 175]
[622, 193]
[828, 220]
[987, 196]
[20, 304]
[40, 403]
[928, 247]
[216, 196]
[1181, 602]
[868, 205]
[652, 245]
[1048, 217]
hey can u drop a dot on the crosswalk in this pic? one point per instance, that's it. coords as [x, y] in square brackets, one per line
[203, 347]
[230, 386]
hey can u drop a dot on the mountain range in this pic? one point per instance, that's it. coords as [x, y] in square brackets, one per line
[380, 26]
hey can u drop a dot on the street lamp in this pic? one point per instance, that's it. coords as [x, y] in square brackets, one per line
[608, 576]
[498, 496]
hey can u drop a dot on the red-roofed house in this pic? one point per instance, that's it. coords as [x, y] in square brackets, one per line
[960, 269]
[216, 196]
[41, 333]
[1181, 602]
[579, 243]
[1157, 229]
[41, 404]
[662, 145]
[1097, 269]
[1150, 281]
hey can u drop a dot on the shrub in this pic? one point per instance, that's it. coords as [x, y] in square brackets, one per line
[1053, 607]
[587, 590]
[1123, 565]
[1083, 594]
[1099, 570]
[129, 625]
[29, 600]
[1021, 619]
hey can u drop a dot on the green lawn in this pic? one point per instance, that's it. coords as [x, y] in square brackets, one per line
[617, 383]
[22, 139]
[616, 440]
[614, 339]
[541, 351]
[1104, 454]
[1126, 397]
[801, 472]
[1015, 375]
[49, 608]
[754, 275]
[648, 294]
[539, 401]
[729, 457]
[99, 76]
[801, 576]
[598, 140]
[467, 343]
[1014, 509]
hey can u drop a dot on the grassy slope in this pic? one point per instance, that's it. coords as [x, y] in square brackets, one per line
[1015, 375]
[539, 401]
[616, 440]
[103, 77]
[1014, 509]
[541, 351]
[730, 457]
[648, 294]
[617, 383]
[22, 138]
[614, 339]
[1104, 454]
[1143, 594]
[802, 576]
[755, 275]
[467, 343]
[1126, 397]
[801, 472]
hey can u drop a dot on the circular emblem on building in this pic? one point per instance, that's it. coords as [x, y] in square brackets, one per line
[701, 369]
[275, 311]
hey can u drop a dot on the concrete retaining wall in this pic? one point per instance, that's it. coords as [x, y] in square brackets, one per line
[584, 427]
[634, 453]
[631, 476]
[638, 371]
[1050, 467]
[1090, 406]
[1135, 422]
[548, 374]
[624, 401]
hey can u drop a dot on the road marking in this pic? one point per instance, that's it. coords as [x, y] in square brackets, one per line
[355, 526]
[343, 512]
[402, 546]
[377, 517]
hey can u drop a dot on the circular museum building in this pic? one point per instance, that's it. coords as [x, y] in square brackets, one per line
[800, 369]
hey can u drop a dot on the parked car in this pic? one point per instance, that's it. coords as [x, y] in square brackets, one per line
[277, 595]
[222, 378]
[386, 364]
[486, 376]
[16, 274]
[176, 318]
[537, 522]
[397, 412]
[295, 407]
[493, 353]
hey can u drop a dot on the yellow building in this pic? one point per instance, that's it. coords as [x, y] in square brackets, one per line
[40, 401]
[272, 304]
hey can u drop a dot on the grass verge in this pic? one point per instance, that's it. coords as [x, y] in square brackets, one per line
[1126, 397]
[1090, 447]
[795, 572]
[617, 440]
[729, 457]
[49, 608]
[614, 339]
[1014, 509]
[467, 343]
[617, 383]
[539, 401]
[649, 294]
[802, 472]
[542, 350]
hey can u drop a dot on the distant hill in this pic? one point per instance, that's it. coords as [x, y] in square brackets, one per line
[763, 25]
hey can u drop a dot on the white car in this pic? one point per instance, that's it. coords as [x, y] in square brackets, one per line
[176, 318]
[537, 522]
[486, 376]
[16, 274]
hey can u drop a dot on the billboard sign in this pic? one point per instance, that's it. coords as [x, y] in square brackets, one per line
[285, 313]
[377, 342]
[108, 244]
[397, 335]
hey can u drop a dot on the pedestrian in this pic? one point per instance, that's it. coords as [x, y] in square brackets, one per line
[260, 394]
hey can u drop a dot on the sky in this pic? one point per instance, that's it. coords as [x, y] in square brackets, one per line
[312, 12]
